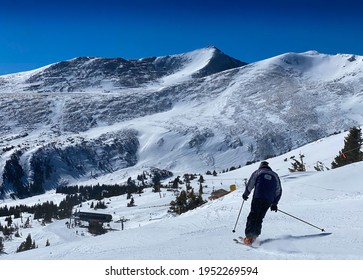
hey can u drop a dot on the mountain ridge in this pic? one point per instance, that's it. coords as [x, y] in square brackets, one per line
[97, 74]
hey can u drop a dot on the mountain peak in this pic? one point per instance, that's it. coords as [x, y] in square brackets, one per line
[311, 52]
[218, 62]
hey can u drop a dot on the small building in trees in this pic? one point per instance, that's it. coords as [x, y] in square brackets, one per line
[95, 220]
[218, 194]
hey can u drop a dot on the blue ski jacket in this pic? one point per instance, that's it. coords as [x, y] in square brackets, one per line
[266, 183]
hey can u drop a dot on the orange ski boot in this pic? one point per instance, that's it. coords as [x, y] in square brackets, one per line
[248, 240]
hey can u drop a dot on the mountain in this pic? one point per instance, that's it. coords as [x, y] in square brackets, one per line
[186, 121]
[88, 119]
[95, 74]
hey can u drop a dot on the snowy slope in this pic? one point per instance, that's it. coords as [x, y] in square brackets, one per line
[331, 200]
[197, 60]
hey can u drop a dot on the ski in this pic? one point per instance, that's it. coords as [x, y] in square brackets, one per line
[237, 241]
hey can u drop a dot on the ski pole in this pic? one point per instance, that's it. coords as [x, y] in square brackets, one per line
[234, 230]
[300, 220]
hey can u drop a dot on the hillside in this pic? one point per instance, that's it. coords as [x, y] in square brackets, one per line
[329, 199]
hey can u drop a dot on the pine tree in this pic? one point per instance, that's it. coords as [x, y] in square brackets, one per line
[200, 188]
[176, 182]
[298, 165]
[181, 202]
[351, 151]
[9, 220]
[26, 245]
[28, 242]
[131, 203]
[193, 200]
[1, 244]
[201, 179]
[186, 201]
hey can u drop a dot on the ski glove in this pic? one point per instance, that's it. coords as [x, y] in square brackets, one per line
[245, 197]
[274, 207]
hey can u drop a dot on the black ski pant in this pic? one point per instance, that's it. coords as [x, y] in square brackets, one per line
[258, 211]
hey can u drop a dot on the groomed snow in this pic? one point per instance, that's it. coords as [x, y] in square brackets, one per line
[331, 200]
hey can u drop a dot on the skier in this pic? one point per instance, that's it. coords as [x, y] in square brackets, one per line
[267, 193]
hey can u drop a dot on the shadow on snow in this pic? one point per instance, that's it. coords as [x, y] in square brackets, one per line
[294, 237]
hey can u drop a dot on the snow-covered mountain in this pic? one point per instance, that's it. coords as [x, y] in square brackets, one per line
[96, 74]
[89, 118]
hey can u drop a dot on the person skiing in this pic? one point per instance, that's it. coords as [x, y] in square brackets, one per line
[267, 193]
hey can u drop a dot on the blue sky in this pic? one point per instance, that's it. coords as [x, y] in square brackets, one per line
[34, 33]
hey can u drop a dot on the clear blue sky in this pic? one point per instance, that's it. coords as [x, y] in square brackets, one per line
[34, 33]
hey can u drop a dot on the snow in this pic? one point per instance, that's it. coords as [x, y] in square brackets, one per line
[16, 81]
[320, 67]
[331, 200]
[196, 60]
